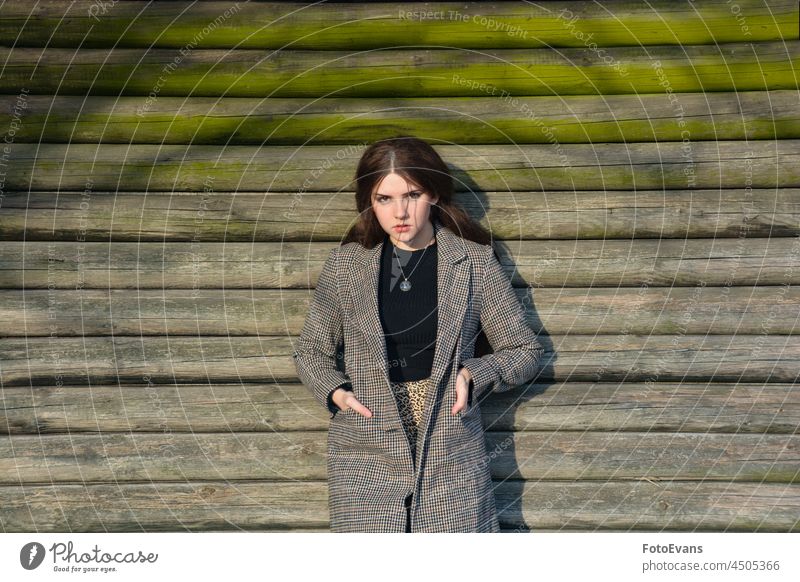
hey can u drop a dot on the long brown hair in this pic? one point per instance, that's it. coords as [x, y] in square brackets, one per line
[416, 161]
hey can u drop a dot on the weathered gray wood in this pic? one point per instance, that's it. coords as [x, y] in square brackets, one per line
[597, 443]
[615, 263]
[651, 406]
[667, 505]
[208, 504]
[477, 119]
[373, 25]
[739, 358]
[538, 167]
[282, 407]
[249, 217]
[301, 455]
[403, 72]
[283, 506]
[660, 310]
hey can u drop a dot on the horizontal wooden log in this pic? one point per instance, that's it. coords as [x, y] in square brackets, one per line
[275, 25]
[667, 506]
[284, 506]
[632, 358]
[166, 507]
[402, 72]
[301, 456]
[216, 216]
[614, 263]
[698, 310]
[695, 165]
[574, 406]
[744, 115]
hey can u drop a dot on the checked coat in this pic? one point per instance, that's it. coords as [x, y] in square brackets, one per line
[371, 472]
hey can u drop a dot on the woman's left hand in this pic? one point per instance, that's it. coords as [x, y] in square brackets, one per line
[462, 390]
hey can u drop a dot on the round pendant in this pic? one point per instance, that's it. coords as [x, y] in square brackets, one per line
[405, 286]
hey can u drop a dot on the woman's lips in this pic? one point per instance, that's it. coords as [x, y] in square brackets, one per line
[402, 228]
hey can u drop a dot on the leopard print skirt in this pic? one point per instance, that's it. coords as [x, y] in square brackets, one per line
[410, 397]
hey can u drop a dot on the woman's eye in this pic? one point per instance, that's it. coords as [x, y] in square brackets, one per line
[385, 199]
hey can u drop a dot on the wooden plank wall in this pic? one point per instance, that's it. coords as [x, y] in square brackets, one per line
[174, 174]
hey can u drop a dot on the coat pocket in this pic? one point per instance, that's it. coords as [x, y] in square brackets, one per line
[471, 409]
[472, 420]
[349, 431]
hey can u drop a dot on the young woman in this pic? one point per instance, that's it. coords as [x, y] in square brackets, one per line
[406, 295]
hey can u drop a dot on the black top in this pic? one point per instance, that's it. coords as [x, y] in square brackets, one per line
[409, 318]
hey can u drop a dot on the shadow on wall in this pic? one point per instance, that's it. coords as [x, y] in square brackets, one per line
[509, 486]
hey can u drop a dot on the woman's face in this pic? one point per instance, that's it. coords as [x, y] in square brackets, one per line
[395, 202]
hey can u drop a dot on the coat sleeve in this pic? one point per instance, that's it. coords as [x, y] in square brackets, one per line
[517, 351]
[316, 352]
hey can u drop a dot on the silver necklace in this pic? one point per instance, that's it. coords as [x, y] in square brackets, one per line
[405, 284]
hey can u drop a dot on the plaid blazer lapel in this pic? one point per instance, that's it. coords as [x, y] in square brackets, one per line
[453, 282]
[453, 279]
[363, 287]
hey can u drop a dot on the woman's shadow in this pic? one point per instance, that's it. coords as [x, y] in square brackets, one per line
[500, 410]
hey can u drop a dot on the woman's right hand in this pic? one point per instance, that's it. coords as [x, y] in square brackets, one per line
[345, 399]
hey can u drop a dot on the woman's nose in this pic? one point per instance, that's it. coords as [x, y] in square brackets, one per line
[402, 208]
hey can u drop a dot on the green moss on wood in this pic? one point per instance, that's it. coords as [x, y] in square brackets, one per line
[274, 25]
